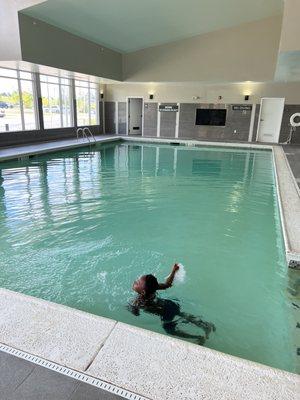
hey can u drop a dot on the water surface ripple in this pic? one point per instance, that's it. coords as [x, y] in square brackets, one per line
[78, 227]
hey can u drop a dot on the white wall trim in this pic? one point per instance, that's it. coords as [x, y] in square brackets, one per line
[158, 120]
[177, 121]
[103, 115]
[252, 120]
[117, 117]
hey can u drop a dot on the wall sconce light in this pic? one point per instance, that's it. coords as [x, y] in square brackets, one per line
[220, 97]
[101, 95]
[151, 96]
[247, 97]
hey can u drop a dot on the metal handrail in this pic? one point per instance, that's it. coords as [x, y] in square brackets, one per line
[77, 132]
[86, 133]
[87, 129]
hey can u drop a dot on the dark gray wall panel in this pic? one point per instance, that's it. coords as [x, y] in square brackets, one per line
[236, 120]
[289, 110]
[122, 118]
[101, 115]
[18, 138]
[150, 119]
[110, 110]
[167, 122]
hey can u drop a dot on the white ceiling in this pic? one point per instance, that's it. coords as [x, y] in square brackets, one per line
[129, 25]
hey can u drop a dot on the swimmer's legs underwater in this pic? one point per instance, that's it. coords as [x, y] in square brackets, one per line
[207, 327]
[172, 329]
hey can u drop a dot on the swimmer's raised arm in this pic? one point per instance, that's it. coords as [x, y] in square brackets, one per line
[169, 281]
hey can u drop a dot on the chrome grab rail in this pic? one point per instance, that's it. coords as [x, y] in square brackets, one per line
[86, 129]
[77, 132]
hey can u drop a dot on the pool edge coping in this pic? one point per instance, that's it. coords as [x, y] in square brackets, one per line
[288, 197]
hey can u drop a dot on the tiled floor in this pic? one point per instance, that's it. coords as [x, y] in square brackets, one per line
[22, 380]
[293, 156]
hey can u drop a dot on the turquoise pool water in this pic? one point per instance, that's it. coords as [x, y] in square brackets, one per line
[78, 227]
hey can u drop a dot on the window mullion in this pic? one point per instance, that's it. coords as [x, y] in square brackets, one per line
[73, 104]
[97, 104]
[60, 103]
[89, 98]
[21, 101]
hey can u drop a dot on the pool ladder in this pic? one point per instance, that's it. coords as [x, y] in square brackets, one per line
[86, 133]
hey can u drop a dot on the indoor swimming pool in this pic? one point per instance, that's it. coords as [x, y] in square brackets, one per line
[78, 227]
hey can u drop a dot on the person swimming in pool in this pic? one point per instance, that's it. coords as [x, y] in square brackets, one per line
[168, 310]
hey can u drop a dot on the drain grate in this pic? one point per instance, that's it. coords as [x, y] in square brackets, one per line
[72, 373]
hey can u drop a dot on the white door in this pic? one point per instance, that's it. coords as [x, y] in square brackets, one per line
[135, 116]
[270, 117]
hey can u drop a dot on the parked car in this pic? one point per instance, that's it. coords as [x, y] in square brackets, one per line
[52, 109]
[3, 104]
[2, 113]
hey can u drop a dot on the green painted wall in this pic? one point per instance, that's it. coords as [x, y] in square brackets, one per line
[45, 44]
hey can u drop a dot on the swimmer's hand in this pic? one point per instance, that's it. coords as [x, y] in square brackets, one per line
[175, 267]
[169, 281]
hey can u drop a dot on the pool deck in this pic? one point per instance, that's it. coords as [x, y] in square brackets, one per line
[16, 152]
[293, 155]
[23, 380]
[37, 337]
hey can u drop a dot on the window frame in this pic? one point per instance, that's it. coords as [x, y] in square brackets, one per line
[89, 85]
[60, 97]
[36, 78]
[19, 80]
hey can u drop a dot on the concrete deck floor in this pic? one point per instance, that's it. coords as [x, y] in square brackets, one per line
[293, 156]
[14, 152]
[23, 380]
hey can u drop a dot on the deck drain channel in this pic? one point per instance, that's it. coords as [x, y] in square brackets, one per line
[72, 373]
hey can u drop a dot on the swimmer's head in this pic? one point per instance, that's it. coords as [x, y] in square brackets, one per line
[146, 285]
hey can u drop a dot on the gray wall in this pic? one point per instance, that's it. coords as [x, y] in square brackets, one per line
[46, 44]
[285, 125]
[101, 116]
[18, 138]
[150, 119]
[187, 129]
[236, 120]
[122, 118]
[167, 122]
[110, 110]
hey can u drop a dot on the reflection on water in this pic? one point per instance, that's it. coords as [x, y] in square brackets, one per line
[77, 228]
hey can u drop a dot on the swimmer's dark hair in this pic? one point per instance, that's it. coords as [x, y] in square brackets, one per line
[151, 284]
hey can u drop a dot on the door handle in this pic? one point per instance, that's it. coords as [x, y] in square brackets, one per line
[261, 120]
